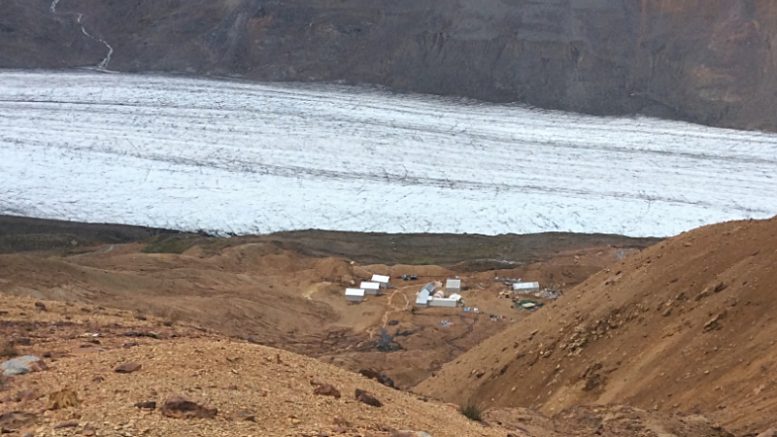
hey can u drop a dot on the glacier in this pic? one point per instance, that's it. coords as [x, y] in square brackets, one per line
[227, 156]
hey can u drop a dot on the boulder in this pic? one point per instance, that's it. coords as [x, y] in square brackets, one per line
[381, 377]
[245, 415]
[127, 368]
[366, 398]
[178, 407]
[22, 365]
[327, 390]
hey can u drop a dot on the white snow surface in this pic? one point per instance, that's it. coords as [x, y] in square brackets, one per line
[234, 157]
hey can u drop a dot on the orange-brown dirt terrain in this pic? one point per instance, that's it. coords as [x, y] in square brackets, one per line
[687, 325]
[143, 332]
[286, 290]
[104, 372]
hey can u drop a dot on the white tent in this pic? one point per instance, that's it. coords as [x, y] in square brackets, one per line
[354, 294]
[422, 298]
[453, 285]
[526, 287]
[382, 280]
[372, 288]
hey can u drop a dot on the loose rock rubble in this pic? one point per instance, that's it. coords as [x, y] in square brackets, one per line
[181, 408]
[364, 397]
[326, 390]
[127, 368]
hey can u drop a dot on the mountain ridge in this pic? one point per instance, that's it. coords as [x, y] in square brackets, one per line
[653, 57]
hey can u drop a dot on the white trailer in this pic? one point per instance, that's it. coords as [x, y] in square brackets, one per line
[354, 295]
[453, 285]
[526, 287]
[382, 280]
[371, 288]
[443, 302]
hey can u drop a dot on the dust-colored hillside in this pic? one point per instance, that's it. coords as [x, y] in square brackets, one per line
[104, 372]
[248, 287]
[687, 325]
[256, 390]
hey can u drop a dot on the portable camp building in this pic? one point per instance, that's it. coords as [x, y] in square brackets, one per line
[526, 287]
[382, 280]
[422, 298]
[443, 302]
[354, 294]
[453, 285]
[429, 287]
[425, 294]
[372, 288]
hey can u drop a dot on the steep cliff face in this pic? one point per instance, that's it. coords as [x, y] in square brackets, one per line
[32, 36]
[711, 61]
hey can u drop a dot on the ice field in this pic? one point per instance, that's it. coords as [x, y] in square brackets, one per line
[236, 157]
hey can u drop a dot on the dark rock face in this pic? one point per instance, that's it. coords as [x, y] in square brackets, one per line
[711, 61]
[30, 36]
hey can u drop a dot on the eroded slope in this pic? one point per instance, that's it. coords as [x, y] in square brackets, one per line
[686, 325]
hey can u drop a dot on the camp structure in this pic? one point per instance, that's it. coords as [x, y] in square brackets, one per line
[354, 295]
[429, 295]
[526, 287]
[443, 302]
[372, 288]
[382, 280]
[453, 285]
[423, 296]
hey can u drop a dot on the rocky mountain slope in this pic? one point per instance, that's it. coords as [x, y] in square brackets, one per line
[246, 287]
[99, 378]
[686, 325]
[103, 372]
[707, 61]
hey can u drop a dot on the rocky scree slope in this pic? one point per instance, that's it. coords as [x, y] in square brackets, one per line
[107, 372]
[687, 325]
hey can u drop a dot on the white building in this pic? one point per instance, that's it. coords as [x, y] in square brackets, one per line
[382, 280]
[422, 298]
[443, 302]
[453, 285]
[354, 294]
[372, 288]
[526, 287]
